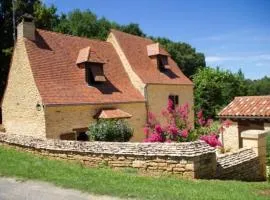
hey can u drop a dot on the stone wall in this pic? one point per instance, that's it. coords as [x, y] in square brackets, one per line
[230, 137]
[64, 119]
[190, 160]
[240, 165]
[20, 114]
[158, 94]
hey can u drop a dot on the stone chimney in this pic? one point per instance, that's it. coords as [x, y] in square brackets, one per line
[26, 28]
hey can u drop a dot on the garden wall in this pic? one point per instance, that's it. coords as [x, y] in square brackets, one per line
[189, 160]
[240, 165]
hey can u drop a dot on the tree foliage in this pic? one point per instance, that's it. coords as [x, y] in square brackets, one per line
[6, 33]
[215, 88]
[259, 87]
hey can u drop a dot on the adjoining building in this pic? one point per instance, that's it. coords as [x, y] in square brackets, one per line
[246, 113]
[58, 84]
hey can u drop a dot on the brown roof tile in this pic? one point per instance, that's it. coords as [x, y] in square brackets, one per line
[113, 114]
[60, 81]
[248, 106]
[135, 49]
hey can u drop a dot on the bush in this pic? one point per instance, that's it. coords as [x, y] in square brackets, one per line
[177, 128]
[110, 131]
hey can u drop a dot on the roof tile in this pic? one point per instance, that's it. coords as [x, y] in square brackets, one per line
[248, 106]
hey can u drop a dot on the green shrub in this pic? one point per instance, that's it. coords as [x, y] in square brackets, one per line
[110, 130]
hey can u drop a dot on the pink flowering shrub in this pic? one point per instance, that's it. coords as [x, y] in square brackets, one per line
[177, 128]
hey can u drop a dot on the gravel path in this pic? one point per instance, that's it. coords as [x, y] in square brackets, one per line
[12, 189]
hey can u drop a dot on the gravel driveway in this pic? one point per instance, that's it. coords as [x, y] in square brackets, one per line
[12, 189]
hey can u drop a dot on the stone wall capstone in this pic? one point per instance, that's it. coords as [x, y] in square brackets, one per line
[191, 159]
[240, 165]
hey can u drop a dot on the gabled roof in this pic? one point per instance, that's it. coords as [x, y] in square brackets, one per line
[59, 80]
[135, 49]
[247, 107]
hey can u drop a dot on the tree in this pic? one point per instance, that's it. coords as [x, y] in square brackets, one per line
[184, 55]
[215, 88]
[6, 33]
[259, 87]
[45, 17]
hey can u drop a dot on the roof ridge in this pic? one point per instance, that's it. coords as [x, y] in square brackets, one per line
[255, 96]
[74, 36]
[144, 38]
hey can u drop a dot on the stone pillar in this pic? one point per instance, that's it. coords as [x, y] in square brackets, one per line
[230, 137]
[256, 139]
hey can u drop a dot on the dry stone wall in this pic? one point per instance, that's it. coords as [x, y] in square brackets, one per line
[240, 165]
[189, 160]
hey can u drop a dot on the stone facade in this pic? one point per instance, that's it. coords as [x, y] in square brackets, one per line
[25, 113]
[157, 97]
[64, 119]
[230, 137]
[19, 106]
[190, 160]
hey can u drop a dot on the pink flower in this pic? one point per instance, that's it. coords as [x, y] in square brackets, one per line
[158, 129]
[200, 114]
[184, 133]
[146, 130]
[212, 140]
[170, 106]
[155, 137]
[173, 130]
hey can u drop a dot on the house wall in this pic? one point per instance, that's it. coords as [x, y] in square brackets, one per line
[63, 119]
[157, 97]
[21, 97]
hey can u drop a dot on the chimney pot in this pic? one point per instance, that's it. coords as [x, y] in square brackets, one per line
[26, 28]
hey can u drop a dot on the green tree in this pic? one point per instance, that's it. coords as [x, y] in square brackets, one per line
[259, 87]
[215, 88]
[6, 33]
[45, 17]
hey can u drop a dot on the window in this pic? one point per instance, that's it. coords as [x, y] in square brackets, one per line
[174, 99]
[163, 63]
[94, 73]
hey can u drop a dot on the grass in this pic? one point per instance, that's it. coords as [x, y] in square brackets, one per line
[126, 183]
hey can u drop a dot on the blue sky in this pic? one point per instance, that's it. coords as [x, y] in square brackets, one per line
[232, 34]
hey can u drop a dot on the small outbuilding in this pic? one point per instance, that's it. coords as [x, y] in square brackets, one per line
[246, 113]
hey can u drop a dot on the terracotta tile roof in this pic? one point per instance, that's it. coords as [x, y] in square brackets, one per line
[248, 106]
[60, 81]
[155, 49]
[88, 55]
[113, 114]
[135, 49]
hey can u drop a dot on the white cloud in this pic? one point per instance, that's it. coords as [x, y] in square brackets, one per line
[260, 57]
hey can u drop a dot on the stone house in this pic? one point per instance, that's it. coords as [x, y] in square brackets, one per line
[246, 113]
[58, 84]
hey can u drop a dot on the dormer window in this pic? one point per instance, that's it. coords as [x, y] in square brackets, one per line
[93, 65]
[159, 56]
[94, 73]
[162, 62]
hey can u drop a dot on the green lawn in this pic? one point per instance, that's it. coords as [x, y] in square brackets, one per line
[123, 183]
